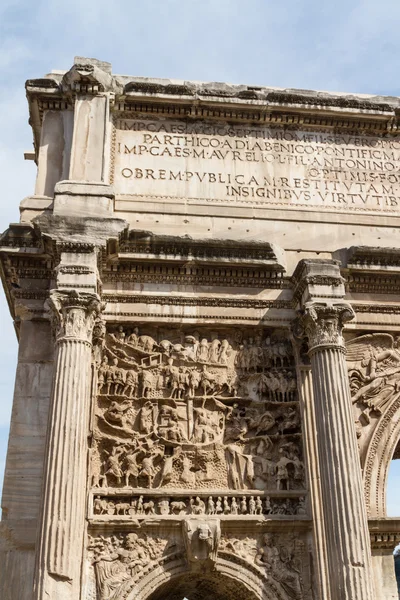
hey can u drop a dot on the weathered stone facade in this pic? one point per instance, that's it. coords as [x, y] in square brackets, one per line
[205, 289]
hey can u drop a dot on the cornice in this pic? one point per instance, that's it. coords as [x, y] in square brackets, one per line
[147, 246]
[375, 283]
[384, 533]
[170, 300]
[143, 256]
[370, 258]
[194, 275]
[287, 108]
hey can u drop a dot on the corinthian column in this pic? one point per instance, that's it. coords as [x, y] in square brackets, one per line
[344, 514]
[60, 540]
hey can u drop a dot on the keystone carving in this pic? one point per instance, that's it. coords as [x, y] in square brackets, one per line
[201, 539]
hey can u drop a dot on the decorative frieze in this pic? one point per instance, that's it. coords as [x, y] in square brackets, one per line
[146, 505]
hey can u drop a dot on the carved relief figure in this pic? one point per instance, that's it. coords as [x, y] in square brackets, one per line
[192, 410]
[114, 465]
[279, 564]
[201, 540]
[374, 371]
[121, 558]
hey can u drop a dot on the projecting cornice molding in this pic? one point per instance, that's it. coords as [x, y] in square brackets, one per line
[147, 246]
[369, 258]
[302, 109]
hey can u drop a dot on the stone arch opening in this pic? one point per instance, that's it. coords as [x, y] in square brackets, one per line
[382, 479]
[382, 448]
[198, 586]
[393, 484]
[393, 509]
[232, 579]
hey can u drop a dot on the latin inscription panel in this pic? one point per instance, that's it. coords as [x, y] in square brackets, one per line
[214, 163]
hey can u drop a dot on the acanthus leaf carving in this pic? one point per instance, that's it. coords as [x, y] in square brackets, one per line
[322, 323]
[74, 314]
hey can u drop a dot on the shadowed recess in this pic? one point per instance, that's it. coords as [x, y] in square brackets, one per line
[213, 586]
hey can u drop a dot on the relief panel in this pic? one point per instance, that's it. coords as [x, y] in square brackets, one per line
[198, 412]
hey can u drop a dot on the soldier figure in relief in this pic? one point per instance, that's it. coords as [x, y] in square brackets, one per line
[120, 335]
[132, 467]
[113, 464]
[133, 338]
[207, 381]
[225, 352]
[282, 473]
[98, 477]
[194, 378]
[148, 469]
[202, 351]
[109, 378]
[131, 383]
[146, 418]
[147, 383]
[102, 373]
[214, 350]
[172, 378]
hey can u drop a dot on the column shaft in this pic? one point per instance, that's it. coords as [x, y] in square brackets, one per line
[311, 449]
[61, 536]
[346, 526]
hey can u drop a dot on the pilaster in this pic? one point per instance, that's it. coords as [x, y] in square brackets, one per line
[324, 314]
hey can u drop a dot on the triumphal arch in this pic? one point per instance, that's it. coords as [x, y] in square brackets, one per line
[205, 286]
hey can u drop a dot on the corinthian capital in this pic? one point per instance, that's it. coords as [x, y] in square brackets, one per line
[323, 322]
[74, 314]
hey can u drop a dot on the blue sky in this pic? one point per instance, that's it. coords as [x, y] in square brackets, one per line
[337, 46]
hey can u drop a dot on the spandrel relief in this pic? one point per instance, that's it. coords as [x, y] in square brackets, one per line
[120, 560]
[282, 560]
[374, 371]
[123, 563]
[198, 411]
[373, 363]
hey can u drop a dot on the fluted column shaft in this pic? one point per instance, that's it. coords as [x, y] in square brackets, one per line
[345, 519]
[308, 418]
[60, 542]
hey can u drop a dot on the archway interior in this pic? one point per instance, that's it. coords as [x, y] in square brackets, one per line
[392, 503]
[393, 485]
[213, 586]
